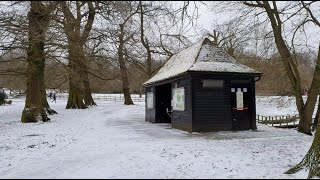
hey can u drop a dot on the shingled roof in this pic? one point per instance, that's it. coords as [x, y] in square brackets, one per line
[202, 57]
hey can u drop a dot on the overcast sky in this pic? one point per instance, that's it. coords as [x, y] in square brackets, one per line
[208, 18]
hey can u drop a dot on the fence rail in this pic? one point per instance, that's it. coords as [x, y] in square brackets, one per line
[118, 98]
[288, 121]
[103, 97]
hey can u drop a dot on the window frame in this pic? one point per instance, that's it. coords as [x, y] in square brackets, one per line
[212, 87]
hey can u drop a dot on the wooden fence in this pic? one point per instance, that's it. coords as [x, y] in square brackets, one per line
[108, 97]
[288, 121]
[118, 98]
[103, 97]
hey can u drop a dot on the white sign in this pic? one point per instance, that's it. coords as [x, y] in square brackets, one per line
[150, 100]
[239, 99]
[178, 99]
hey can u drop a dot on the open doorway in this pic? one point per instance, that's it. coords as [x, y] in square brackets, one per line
[163, 103]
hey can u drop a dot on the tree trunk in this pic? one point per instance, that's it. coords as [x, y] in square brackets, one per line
[312, 159]
[125, 82]
[312, 99]
[124, 71]
[86, 85]
[140, 92]
[305, 121]
[316, 119]
[34, 109]
[76, 87]
[34, 105]
[75, 99]
[46, 105]
[149, 64]
[305, 110]
[87, 91]
[80, 93]
[145, 43]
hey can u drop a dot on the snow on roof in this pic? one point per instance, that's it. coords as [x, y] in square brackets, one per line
[202, 56]
[221, 67]
[177, 64]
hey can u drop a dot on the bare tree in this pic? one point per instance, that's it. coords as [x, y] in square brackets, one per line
[156, 16]
[120, 17]
[141, 31]
[79, 93]
[145, 42]
[123, 38]
[36, 103]
[231, 41]
[305, 109]
[311, 161]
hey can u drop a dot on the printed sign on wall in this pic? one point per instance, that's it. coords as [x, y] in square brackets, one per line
[150, 100]
[178, 99]
[239, 99]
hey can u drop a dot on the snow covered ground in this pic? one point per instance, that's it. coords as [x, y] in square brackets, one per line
[112, 140]
[277, 105]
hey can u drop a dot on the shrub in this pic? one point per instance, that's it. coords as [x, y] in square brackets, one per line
[9, 102]
[2, 97]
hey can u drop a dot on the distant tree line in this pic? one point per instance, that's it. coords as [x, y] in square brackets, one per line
[100, 46]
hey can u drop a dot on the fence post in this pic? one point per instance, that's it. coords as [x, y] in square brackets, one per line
[266, 120]
[272, 121]
[260, 119]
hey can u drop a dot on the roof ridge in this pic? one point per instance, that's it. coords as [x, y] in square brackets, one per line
[204, 41]
[201, 56]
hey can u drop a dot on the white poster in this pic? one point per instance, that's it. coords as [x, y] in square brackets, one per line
[239, 99]
[150, 100]
[178, 99]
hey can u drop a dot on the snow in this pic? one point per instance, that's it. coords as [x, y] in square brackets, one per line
[209, 53]
[112, 140]
[221, 67]
[202, 56]
[177, 64]
[281, 105]
[278, 105]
